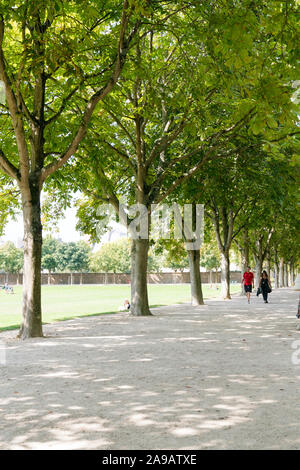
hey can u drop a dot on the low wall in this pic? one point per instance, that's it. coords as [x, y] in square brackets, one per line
[118, 278]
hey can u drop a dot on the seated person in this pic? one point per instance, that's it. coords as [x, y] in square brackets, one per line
[126, 306]
[8, 289]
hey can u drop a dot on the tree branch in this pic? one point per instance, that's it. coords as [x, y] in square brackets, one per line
[123, 47]
[8, 168]
[164, 141]
[122, 154]
[187, 174]
[118, 121]
[14, 110]
[62, 107]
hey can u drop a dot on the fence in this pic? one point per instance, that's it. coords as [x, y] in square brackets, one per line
[116, 278]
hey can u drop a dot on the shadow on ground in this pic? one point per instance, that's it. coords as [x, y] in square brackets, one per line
[213, 377]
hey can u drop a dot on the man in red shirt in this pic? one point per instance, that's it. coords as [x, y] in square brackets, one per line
[248, 282]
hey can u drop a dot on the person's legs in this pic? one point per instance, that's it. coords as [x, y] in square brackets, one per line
[248, 292]
[265, 296]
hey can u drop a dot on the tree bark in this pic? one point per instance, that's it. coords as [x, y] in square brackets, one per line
[258, 270]
[32, 311]
[244, 251]
[281, 273]
[258, 261]
[195, 277]
[224, 246]
[292, 274]
[225, 275]
[139, 291]
[286, 279]
[276, 271]
[269, 264]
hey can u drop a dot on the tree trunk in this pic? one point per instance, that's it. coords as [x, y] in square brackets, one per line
[242, 292]
[258, 261]
[293, 274]
[32, 311]
[258, 270]
[289, 267]
[225, 275]
[195, 277]
[276, 271]
[245, 251]
[286, 281]
[269, 264]
[281, 273]
[139, 292]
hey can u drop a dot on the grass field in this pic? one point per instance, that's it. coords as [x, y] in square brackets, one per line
[66, 302]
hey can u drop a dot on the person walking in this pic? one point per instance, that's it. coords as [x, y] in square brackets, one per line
[265, 286]
[248, 282]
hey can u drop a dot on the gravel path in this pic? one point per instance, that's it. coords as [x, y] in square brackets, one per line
[221, 376]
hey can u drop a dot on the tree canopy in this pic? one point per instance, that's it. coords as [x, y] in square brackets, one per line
[141, 102]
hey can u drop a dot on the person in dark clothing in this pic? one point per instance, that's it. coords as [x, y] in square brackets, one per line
[265, 286]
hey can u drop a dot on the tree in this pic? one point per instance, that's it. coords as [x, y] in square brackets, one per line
[73, 256]
[173, 254]
[11, 258]
[210, 256]
[112, 257]
[50, 250]
[65, 256]
[243, 244]
[286, 239]
[271, 221]
[58, 60]
[9, 201]
[162, 126]
[228, 191]
[115, 257]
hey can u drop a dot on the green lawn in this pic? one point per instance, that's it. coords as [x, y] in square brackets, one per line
[65, 302]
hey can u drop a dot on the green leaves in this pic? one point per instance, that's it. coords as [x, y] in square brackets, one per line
[60, 256]
[11, 258]
[199, 76]
[112, 257]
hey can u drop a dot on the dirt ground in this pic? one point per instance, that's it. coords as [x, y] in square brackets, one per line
[222, 376]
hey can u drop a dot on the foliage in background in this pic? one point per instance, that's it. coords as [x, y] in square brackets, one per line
[115, 257]
[11, 258]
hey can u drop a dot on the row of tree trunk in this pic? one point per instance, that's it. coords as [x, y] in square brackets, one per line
[139, 291]
[284, 275]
